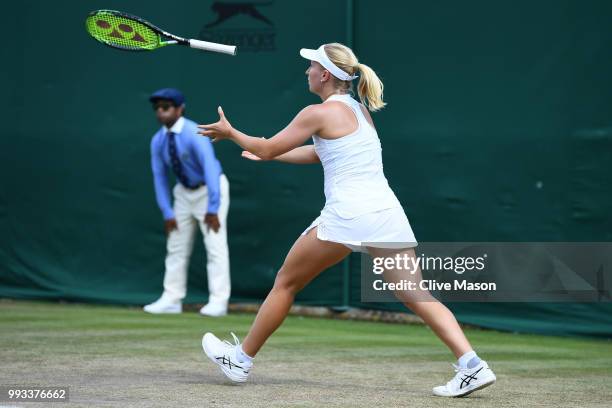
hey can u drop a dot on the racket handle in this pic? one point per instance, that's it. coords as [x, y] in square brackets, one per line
[211, 46]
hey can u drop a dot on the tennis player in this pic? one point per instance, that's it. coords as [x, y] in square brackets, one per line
[360, 208]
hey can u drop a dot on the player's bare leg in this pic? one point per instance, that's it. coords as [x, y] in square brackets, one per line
[472, 373]
[423, 304]
[308, 257]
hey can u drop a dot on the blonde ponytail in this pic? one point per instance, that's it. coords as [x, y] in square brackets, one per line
[370, 88]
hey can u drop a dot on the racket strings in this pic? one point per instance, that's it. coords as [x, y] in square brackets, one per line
[121, 32]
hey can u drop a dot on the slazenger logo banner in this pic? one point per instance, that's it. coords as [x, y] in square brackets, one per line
[244, 24]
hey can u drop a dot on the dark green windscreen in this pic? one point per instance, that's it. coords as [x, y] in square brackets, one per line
[498, 128]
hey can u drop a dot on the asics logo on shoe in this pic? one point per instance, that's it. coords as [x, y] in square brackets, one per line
[465, 381]
[228, 362]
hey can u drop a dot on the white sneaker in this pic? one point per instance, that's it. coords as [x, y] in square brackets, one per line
[466, 381]
[163, 306]
[213, 310]
[223, 354]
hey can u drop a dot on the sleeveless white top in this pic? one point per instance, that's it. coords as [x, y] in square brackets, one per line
[355, 183]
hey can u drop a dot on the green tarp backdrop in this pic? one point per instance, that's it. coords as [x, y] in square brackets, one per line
[498, 128]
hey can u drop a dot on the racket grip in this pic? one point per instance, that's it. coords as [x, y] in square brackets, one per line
[211, 46]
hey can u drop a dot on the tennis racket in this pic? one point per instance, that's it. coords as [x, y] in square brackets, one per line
[127, 32]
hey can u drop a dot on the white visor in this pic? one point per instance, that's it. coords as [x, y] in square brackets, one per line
[321, 57]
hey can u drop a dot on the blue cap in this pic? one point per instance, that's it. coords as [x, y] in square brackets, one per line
[170, 94]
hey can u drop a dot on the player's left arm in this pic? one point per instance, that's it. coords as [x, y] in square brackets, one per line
[306, 123]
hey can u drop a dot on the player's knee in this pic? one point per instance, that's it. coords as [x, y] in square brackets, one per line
[413, 306]
[287, 281]
[418, 303]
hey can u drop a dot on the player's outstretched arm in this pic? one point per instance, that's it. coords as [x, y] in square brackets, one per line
[303, 126]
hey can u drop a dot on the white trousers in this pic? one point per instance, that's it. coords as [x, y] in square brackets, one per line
[189, 209]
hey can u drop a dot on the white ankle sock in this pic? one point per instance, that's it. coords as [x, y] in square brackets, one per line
[468, 360]
[241, 356]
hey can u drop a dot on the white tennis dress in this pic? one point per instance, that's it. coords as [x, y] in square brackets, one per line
[360, 207]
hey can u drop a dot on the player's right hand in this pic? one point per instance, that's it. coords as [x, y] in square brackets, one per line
[170, 225]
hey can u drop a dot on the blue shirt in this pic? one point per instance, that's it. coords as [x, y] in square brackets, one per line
[197, 159]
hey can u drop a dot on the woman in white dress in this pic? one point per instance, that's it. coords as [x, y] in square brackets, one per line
[361, 212]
